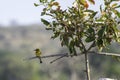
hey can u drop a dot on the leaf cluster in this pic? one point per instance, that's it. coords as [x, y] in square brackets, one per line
[78, 25]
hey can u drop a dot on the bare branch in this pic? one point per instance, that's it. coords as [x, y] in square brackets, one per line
[79, 54]
[64, 54]
[69, 55]
[56, 55]
[57, 59]
[105, 53]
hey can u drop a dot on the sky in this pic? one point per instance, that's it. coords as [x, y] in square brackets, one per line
[23, 12]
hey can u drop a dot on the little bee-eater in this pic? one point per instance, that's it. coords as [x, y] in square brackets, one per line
[38, 54]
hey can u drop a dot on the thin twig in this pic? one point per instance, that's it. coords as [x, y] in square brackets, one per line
[57, 59]
[55, 55]
[64, 56]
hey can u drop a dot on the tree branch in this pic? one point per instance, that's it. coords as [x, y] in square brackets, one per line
[54, 55]
[105, 53]
[57, 59]
[69, 55]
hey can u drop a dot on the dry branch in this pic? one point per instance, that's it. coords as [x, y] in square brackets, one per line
[69, 55]
[105, 53]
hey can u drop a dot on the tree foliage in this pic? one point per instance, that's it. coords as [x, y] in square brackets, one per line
[78, 25]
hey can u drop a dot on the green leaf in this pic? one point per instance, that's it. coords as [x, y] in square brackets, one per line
[88, 10]
[117, 6]
[45, 22]
[48, 28]
[36, 5]
[44, 9]
[101, 32]
[77, 42]
[82, 1]
[94, 14]
[61, 37]
[101, 8]
[56, 34]
[66, 39]
[108, 41]
[72, 43]
[70, 49]
[114, 5]
[100, 44]
[74, 51]
[42, 13]
[89, 39]
[118, 14]
[91, 11]
[55, 23]
[92, 1]
[115, 0]
[52, 1]
[90, 30]
[43, 1]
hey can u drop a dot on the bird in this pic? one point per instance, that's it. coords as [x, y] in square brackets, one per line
[38, 54]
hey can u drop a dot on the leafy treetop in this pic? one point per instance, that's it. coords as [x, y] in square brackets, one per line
[78, 25]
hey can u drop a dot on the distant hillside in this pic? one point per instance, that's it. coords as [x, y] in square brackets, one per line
[27, 38]
[24, 39]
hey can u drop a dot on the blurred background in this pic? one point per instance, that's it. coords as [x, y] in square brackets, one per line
[21, 32]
